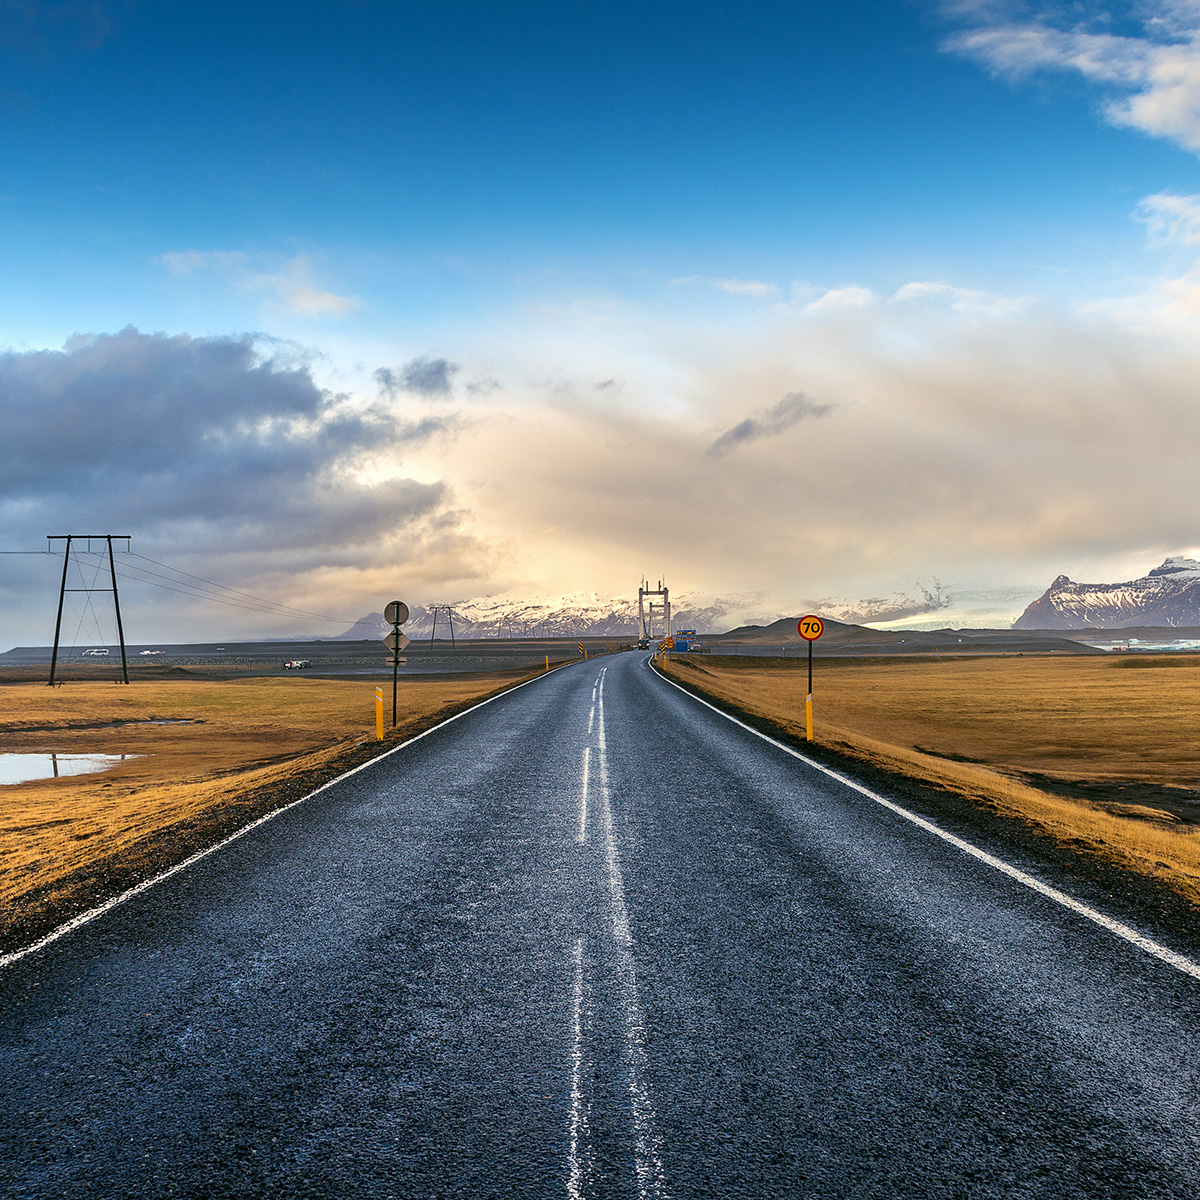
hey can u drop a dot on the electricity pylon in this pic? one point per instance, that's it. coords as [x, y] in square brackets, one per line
[63, 589]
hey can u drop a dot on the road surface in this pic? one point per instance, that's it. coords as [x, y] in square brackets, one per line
[595, 940]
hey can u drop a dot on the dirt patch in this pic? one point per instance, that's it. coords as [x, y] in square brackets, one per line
[1146, 801]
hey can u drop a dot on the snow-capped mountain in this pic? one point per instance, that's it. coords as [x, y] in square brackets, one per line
[1169, 595]
[578, 614]
[588, 614]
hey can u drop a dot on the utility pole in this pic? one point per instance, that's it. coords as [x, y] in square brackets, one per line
[448, 611]
[109, 538]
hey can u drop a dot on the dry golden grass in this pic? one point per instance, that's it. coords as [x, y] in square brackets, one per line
[60, 839]
[983, 727]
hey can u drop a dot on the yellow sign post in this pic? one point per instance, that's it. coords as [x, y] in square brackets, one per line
[810, 628]
[379, 714]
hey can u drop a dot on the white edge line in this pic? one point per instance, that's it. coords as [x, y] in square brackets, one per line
[85, 918]
[581, 836]
[1179, 961]
[579, 1130]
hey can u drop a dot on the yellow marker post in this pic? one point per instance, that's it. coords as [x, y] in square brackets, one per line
[547, 662]
[379, 714]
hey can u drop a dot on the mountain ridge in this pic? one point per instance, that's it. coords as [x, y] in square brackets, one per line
[1168, 595]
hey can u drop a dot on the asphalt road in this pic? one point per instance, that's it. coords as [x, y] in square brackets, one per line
[590, 940]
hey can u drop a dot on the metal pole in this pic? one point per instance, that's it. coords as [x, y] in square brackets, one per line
[112, 568]
[450, 618]
[62, 592]
[395, 672]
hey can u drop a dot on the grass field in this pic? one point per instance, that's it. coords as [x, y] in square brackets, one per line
[209, 756]
[1101, 753]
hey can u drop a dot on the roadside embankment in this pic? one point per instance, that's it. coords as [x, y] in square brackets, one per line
[204, 757]
[1101, 755]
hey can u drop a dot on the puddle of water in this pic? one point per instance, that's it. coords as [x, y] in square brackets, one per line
[24, 768]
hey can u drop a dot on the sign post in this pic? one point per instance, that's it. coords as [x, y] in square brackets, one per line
[810, 628]
[395, 614]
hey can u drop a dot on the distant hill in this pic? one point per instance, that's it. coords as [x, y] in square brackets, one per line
[579, 620]
[1168, 596]
[366, 629]
[841, 638]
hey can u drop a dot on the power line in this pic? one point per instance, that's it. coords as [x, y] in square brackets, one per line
[256, 604]
[211, 590]
[237, 591]
[197, 594]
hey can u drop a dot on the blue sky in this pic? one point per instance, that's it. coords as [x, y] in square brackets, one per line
[426, 156]
[707, 208]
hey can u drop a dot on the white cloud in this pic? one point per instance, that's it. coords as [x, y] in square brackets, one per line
[958, 298]
[1171, 218]
[288, 282]
[843, 297]
[747, 287]
[755, 288]
[1168, 305]
[1153, 80]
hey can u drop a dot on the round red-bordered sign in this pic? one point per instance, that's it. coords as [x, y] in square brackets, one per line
[810, 628]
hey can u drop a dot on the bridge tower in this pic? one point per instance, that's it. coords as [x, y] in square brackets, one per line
[646, 607]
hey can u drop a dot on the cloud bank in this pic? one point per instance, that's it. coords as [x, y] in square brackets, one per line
[219, 451]
[982, 440]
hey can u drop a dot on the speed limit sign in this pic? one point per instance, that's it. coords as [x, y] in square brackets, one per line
[810, 627]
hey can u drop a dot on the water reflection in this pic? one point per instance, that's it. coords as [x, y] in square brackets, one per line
[24, 768]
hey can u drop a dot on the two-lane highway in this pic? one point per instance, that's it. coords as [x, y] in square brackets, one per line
[593, 939]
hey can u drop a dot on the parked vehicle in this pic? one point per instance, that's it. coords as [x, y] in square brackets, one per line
[99, 651]
[297, 664]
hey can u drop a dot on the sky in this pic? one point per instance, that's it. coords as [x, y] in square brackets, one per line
[792, 304]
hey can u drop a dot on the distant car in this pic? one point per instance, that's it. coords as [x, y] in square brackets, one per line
[102, 650]
[297, 664]
[145, 652]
